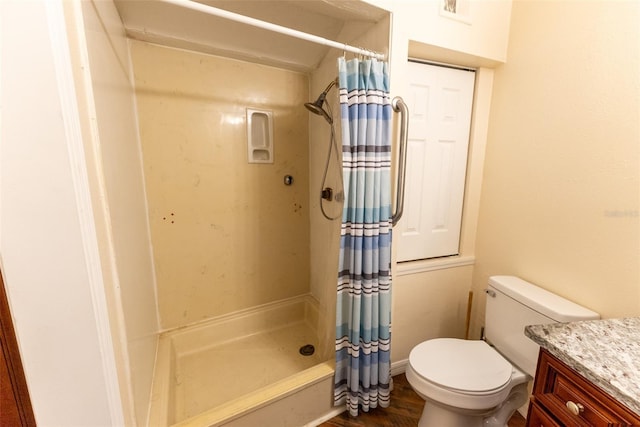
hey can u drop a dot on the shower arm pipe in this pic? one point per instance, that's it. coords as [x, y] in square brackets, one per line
[399, 106]
[221, 13]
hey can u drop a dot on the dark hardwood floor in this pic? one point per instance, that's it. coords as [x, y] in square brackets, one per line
[405, 410]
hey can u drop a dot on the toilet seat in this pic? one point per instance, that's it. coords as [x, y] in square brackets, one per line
[461, 366]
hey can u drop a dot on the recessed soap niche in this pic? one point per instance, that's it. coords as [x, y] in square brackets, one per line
[260, 135]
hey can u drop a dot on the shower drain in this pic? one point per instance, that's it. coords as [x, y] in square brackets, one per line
[307, 350]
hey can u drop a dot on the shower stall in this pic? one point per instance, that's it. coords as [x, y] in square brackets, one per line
[244, 252]
[230, 236]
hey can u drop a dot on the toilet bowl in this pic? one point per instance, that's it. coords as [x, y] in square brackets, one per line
[482, 383]
[465, 383]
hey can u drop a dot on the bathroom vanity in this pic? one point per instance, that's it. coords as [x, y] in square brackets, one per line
[588, 374]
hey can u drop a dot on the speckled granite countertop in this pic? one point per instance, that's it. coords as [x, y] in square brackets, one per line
[606, 352]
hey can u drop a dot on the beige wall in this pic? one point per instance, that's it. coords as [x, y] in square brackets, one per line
[479, 36]
[428, 305]
[560, 196]
[227, 235]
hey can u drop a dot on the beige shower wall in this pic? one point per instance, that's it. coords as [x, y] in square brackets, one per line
[227, 235]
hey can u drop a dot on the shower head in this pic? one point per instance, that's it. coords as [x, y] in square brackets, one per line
[316, 107]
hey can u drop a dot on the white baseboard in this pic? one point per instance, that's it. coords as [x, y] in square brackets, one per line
[399, 367]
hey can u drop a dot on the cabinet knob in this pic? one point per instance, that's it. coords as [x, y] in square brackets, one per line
[574, 408]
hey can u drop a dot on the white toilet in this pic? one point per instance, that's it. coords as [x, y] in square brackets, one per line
[477, 383]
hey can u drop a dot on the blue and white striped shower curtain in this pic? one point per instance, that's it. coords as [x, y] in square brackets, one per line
[363, 320]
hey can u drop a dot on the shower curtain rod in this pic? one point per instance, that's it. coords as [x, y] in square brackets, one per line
[210, 10]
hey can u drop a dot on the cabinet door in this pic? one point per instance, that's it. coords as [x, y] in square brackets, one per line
[439, 101]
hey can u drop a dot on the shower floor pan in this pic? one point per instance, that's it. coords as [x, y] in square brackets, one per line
[223, 369]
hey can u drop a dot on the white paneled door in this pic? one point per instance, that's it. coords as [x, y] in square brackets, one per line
[440, 101]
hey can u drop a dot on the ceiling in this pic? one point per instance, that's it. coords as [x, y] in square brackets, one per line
[161, 22]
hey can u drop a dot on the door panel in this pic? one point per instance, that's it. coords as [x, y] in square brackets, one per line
[440, 101]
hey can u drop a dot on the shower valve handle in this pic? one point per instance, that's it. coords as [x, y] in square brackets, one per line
[327, 193]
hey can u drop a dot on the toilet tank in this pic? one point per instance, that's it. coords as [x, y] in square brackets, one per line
[512, 304]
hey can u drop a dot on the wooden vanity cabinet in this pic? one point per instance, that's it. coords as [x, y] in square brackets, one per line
[562, 397]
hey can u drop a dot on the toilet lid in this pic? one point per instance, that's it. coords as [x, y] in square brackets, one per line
[471, 366]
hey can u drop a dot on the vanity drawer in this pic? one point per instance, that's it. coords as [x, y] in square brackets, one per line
[537, 417]
[572, 400]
